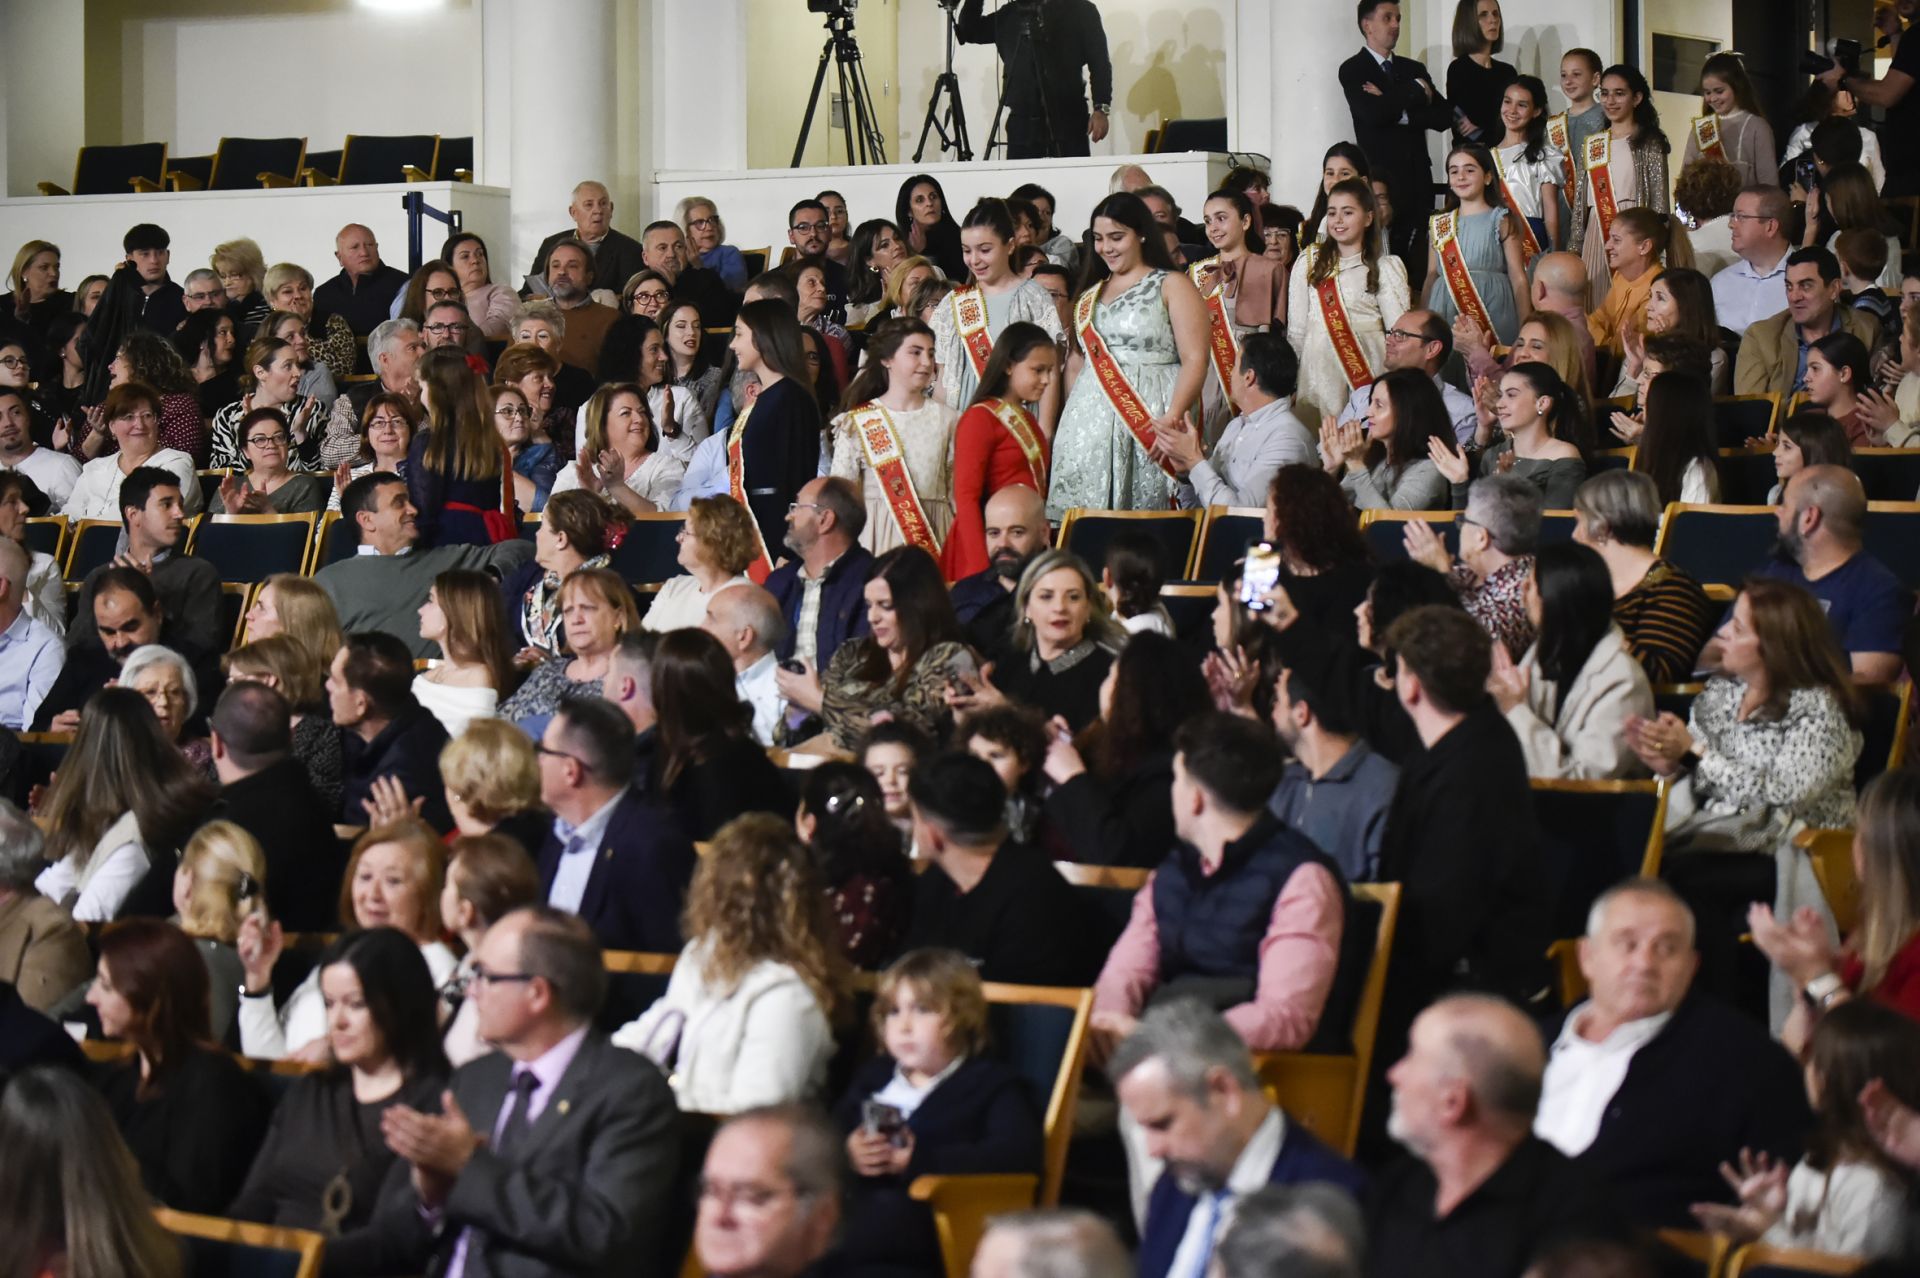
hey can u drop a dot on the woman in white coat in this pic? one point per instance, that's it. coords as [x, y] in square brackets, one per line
[748, 1015]
[1570, 696]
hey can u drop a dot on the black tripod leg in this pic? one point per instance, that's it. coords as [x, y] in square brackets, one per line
[813, 103]
[962, 144]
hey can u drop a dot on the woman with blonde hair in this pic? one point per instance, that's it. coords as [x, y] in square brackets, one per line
[596, 608]
[242, 269]
[289, 287]
[717, 545]
[623, 460]
[293, 669]
[748, 1015]
[459, 474]
[393, 879]
[292, 605]
[492, 776]
[462, 615]
[219, 884]
[1063, 643]
[123, 796]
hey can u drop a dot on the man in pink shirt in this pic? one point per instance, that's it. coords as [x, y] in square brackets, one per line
[1245, 913]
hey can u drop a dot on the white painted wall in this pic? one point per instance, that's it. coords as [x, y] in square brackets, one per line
[42, 63]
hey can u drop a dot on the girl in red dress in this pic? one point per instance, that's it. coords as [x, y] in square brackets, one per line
[998, 441]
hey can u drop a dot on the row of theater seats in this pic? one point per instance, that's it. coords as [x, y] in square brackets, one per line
[248, 164]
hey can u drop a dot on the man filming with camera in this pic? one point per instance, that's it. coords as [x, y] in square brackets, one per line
[1043, 45]
[1900, 131]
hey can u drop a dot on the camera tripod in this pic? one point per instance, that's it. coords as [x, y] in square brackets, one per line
[1025, 61]
[952, 124]
[865, 143]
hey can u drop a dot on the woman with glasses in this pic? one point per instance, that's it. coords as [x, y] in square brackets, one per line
[243, 271]
[596, 608]
[273, 381]
[645, 294]
[268, 486]
[535, 463]
[535, 372]
[132, 416]
[716, 545]
[435, 281]
[706, 235]
[386, 434]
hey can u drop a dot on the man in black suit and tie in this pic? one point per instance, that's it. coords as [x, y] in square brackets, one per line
[1394, 104]
[555, 1154]
[616, 858]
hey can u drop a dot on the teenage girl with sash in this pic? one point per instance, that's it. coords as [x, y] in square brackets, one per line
[773, 446]
[1643, 244]
[1143, 340]
[1343, 292]
[895, 442]
[1477, 255]
[1621, 167]
[1532, 170]
[1733, 129]
[1244, 292]
[998, 442]
[1568, 132]
[966, 324]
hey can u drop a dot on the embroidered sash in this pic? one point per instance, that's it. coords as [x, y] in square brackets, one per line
[759, 569]
[1346, 345]
[1706, 132]
[880, 441]
[1224, 351]
[1600, 175]
[1529, 244]
[1120, 393]
[970, 321]
[1445, 230]
[1557, 134]
[1019, 423]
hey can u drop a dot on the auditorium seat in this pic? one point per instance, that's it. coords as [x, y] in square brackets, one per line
[1884, 734]
[1888, 474]
[1892, 536]
[368, 159]
[1738, 418]
[241, 1249]
[649, 553]
[1225, 534]
[1762, 1260]
[93, 544]
[336, 539]
[235, 598]
[1385, 531]
[115, 170]
[1110, 889]
[1606, 459]
[243, 164]
[1830, 855]
[452, 162]
[1693, 1253]
[1746, 476]
[1592, 835]
[1718, 545]
[1086, 533]
[47, 534]
[635, 982]
[1190, 605]
[251, 548]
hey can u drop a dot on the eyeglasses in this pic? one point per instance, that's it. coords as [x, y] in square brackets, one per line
[515, 411]
[391, 423]
[445, 330]
[266, 441]
[703, 223]
[443, 294]
[650, 295]
[804, 505]
[214, 295]
[541, 747]
[1750, 217]
[12, 361]
[1404, 335]
[806, 228]
[747, 1194]
[481, 976]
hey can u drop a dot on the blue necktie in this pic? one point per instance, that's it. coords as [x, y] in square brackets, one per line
[1216, 1201]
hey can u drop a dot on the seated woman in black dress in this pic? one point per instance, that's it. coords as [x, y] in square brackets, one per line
[930, 1104]
[706, 762]
[1063, 643]
[324, 1159]
[459, 473]
[190, 1114]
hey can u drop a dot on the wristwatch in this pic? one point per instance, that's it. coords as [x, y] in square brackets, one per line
[1103, 108]
[1823, 989]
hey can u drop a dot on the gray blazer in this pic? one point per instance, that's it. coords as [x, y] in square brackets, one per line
[585, 1191]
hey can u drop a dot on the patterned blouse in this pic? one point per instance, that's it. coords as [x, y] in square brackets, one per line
[850, 703]
[316, 744]
[545, 689]
[872, 913]
[540, 618]
[1800, 765]
[227, 448]
[1499, 603]
[335, 346]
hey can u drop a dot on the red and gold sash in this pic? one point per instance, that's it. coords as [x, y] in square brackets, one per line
[1346, 345]
[1019, 423]
[737, 489]
[1126, 401]
[1529, 244]
[1220, 344]
[1600, 175]
[970, 321]
[880, 441]
[1445, 231]
[1557, 134]
[1706, 132]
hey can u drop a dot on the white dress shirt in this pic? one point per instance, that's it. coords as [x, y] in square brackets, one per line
[31, 656]
[1743, 296]
[1582, 1077]
[1251, 448]
[1250, 1173]
[579, 846]
[759, 689]
[52, 473]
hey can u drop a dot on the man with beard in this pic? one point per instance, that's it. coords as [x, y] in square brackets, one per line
[1187, 1079]
[808, 230]
[569, 281]
[1017, 530]
[823, 593]
[127, 614]
[1822, 513]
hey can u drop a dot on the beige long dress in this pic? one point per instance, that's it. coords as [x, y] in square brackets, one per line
[926, 436]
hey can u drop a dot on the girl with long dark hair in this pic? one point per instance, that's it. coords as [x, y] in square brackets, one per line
[843, 821]
[1477, 259]
[1734, 129]
[904, 666]
[998, 442]
[706, 762]
[777, 436]
[1676, 447]
[1622, 166]
[1244, 291]
[968, 322]
[1543, 426]
[1342, 162]
[893, 430]
[1344, 290]
[1390, 460]
[878, 247]
[1531, 169]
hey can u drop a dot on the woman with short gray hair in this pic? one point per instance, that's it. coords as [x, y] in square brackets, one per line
[43, 952]
[166, 680]
[1665, 615]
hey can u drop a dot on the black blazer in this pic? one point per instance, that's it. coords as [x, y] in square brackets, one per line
[616, 259]
[408, 748]
[587, 1189]
[279, 807]
[735, 778]
[781, 453]
[1709, 1084]
[639, 878]
[1396, 151]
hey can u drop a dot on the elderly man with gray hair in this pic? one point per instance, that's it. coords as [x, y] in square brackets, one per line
[770, 1192]
[394, 348]
[1187, 1081]
[749, 624]
[43, 952]
[1301, 1231]
[1499, 532]
[1481, 1194]
[615, 258]
[1050, 1244]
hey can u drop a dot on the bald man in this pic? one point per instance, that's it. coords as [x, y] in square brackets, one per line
[1422, 340]
[1823, 514]
[1017, 530]
[616, 257]
[1480, 1194]
[1128, 177]
[749, 624]
[1560, 286]
[364, 289]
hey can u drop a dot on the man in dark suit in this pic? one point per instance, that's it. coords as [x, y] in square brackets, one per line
[1652, 1088]
[557, 1153]
[616, 858]
[127, 614]
[1187, 1078]
[266, 791]
[384, 732]
[823, 529]
[616, 257]
[1394, 104]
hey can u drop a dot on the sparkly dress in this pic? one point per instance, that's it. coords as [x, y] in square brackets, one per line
[1479, 239]
[1026, 301]
[926, 437]
[1097, 463]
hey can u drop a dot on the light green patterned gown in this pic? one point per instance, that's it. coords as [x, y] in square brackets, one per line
[1096, 460]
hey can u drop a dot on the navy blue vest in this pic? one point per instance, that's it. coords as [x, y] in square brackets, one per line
[1211, 925]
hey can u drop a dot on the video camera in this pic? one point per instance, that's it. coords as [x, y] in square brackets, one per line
[1841, 51]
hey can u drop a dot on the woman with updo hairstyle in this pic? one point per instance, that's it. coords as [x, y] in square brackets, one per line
[289, 288]
[242, 269]
[1325, 565]
[998, 440]
[535, 372]
[324, 1161]
[748, 1016]
[289, 666]
[1543, 428]
[492, 779]
[459, 474]
[716, 547]
[578, 530]
[869, 882]
[707, 764]
[993, 296]
[220, 882]
[890, 396]
[488, 877]
[490, 306]
[271, 375]
[535, 462]
[1705, 192]
[1662, 611]
[188, 1111]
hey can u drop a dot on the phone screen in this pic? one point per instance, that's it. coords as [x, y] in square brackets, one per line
[1259, 574]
